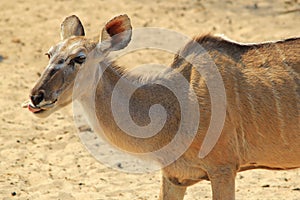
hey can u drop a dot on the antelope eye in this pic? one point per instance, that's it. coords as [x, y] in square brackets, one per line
[79, 59]
[53, 71]
[60, 61]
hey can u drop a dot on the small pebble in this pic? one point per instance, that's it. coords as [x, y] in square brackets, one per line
[16, 40]
[266, 186]
[120, 165]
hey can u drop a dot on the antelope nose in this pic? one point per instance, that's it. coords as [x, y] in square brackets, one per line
[36, 99]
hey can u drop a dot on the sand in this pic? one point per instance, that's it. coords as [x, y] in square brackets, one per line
[45, 159]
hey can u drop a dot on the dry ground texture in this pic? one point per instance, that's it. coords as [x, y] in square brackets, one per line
[44, 159]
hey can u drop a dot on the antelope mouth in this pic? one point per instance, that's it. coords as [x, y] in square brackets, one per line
[38, 109]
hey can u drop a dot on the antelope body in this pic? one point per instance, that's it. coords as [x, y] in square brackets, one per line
[262, 85]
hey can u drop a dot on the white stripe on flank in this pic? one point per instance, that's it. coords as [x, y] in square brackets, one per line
[279, 112]
[277, 102]
[253, 113]
[292, 73]
[237, 99]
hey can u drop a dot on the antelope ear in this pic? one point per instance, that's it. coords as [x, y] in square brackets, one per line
[71, 26]
[116, 34]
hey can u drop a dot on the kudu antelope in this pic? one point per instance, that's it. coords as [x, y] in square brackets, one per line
[261, 128]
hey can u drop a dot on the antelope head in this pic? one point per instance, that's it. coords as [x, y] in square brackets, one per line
[54, 88]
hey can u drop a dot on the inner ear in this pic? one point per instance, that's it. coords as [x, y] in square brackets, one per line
[71, 26]
[118, 31]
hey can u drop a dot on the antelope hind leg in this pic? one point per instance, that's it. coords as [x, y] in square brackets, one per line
[170, 191]
[223, 185]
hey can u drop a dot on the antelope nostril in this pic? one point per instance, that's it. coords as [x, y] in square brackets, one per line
[36, 99]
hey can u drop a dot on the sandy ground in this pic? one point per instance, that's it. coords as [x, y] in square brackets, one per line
[44, 158]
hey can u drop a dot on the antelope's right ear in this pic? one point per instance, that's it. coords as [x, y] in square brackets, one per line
[116, 34]
[71, 26]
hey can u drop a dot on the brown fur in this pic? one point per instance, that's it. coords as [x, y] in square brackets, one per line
[262, 118]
